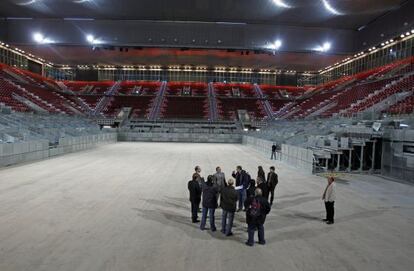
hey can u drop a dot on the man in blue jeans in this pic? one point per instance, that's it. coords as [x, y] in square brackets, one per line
[209, 203]
[228, 205]
[242, 181]
[257, 208]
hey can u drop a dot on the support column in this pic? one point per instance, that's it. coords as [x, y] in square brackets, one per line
[373, 155]
[338, 162]
[350, 161]
[326, 163]
[361, 160]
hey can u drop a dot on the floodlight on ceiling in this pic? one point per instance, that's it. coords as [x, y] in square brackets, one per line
[330, 8]
[38, 37]
[281, 3]
[92, 40]
[275, 46]
[324, 48]
[28, 2]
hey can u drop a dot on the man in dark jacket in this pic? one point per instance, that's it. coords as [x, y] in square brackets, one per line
[274, 148]
[256, 210]
[272, 181]
[242, 181]
[209, 203]
[264, 187]
[228, 205]
[195, 197]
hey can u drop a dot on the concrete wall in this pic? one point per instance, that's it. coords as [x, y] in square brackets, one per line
[292, 155]
[180, 137]
[15, 153]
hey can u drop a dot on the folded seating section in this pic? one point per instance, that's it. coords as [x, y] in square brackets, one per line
[139, 88]
[238, 90]
[227, 108]
[186, 89]
[140, 105]
[185, 108]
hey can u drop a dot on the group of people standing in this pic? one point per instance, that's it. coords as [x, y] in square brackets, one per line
[255, 197]
[235, 195]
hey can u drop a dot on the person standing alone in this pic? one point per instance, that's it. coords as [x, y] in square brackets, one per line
[329, 196]
[274, 147]
[195, 197]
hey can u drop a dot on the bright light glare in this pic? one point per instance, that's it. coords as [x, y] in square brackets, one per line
[326, 46]
[90, 38]
[281, 3]
[278, 43]
[275, 46]
[330, 8]
[38, 37]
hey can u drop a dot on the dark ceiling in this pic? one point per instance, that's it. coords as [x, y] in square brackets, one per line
[215, 25]
[354, 13]
[79, 55]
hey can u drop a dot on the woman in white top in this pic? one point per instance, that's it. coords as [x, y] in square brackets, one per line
[329, 197]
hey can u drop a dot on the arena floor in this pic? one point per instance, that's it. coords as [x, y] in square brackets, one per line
[125, 207]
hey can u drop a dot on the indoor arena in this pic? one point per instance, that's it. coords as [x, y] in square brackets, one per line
[206, 135]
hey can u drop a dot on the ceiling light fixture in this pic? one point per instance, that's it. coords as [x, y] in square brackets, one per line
[275, 46]
[330, 8]
[324, 48]
[281, 3]
[38, 37]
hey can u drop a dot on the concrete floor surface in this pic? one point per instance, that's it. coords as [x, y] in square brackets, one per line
[125, 207]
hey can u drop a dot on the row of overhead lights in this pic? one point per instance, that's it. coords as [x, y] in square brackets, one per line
[21, 52]
[325, 47]
[178, 68]
[90, 38]
[406, 34]
[370, 50]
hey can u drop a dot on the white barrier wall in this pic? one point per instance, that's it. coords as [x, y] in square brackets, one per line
[180, 137]
[298, 157]
[15, 153]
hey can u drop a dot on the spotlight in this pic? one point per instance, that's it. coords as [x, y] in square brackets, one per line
[281, 3]
[90, 38]
[326, 46]
[38, 37]
[275, 46]
[402, 36]
[278, 43]
[330, 8]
